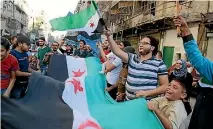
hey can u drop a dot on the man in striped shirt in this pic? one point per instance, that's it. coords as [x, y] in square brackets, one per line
[145, 72]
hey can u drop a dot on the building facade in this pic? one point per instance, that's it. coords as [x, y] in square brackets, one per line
[131, 20]
[14, 17]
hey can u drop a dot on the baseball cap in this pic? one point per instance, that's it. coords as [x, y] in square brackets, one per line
[23, 39]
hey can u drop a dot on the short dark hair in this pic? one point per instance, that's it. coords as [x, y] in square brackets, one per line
[42, 38]
[13, 37]
[186, 83]
[23, 39]
[83, 41]
[5, 43]
[55, 42]
[126, 43]
[154, 42]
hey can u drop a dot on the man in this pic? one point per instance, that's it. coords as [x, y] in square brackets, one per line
[113, 66]
[120, 84]
[81, 52]
[47, 57]
[43, 49]
[106, 49]
[159, 55]
[13, 41]
[62, 46]
[202, 113]
[144, 70]
[90, 52]
[20, 52]
[9, 65]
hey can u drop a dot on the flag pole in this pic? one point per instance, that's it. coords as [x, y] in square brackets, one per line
[177, 14]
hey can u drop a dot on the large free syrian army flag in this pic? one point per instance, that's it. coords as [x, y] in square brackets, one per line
[88, 20]
[78, 103]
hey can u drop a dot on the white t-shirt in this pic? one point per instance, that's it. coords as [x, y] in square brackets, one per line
[113, 76]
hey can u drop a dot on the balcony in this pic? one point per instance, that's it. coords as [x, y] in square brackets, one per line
[144, 12]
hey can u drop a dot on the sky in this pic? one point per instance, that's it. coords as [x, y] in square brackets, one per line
[52, 9]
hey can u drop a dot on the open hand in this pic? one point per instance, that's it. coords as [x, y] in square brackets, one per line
[152, 106]
[142, 93]
[179, 21]
[109, 88]
[107, 33]
[120, 96]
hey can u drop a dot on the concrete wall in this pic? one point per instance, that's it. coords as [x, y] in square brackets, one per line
[170, 39]
[211, 6]
[210, 49]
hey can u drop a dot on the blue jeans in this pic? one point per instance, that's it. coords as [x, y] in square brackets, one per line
[43, 69]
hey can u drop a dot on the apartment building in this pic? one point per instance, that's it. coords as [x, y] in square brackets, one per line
[131, 20]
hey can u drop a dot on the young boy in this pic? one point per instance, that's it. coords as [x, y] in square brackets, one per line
[22, 75]
[33, 63]
[9, 65]
[170, 109]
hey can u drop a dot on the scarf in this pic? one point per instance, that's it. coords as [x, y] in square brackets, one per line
[182, 71]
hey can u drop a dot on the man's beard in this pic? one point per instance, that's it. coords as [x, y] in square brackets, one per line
[145, 52]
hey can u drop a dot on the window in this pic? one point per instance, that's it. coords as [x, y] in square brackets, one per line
[178, 56]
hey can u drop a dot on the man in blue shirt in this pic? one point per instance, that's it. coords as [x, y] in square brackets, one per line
[203, 110]
[20, 53]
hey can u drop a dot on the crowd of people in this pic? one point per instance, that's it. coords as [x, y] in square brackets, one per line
[18, 61]
[130, 74]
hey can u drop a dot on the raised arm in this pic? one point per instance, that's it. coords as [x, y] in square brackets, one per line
[115, 49]
[201, 64]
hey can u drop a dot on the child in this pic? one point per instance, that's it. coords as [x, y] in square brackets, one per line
[171, 109]
[9, 65]
[33, 63]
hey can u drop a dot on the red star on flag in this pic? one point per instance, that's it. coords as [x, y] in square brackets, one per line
[92, 24]
[89, 123]
[78, 73]
[77, 85]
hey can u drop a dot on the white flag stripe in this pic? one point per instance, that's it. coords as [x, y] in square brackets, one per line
[74, 94]
[76, 100]
[75, 64]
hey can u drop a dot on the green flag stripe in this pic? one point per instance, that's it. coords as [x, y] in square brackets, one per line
[78, 20]
[110, 114]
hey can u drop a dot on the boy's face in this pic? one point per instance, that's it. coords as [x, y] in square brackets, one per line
[33, 59]
[175, 91]
[25, 47]
[4, 53]
[14, 41]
